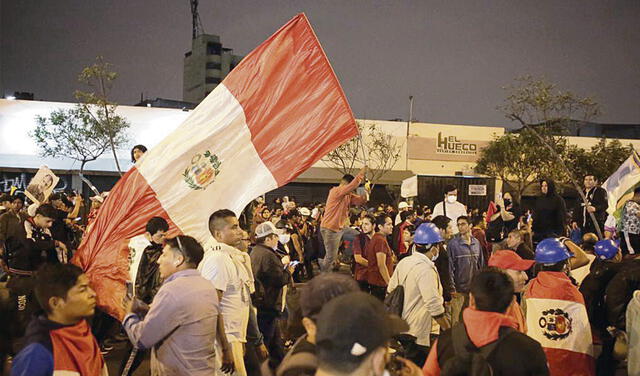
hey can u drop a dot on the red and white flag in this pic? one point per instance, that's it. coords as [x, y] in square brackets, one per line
[557, 318]
[277, 113]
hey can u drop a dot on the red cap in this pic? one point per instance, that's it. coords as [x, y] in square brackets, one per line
[509, 260]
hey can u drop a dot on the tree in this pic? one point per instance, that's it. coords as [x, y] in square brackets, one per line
[602, 160]
[72, 133]
[514, 158]
[532, 102]
[547, 113]
[377, 149]
[97, 105]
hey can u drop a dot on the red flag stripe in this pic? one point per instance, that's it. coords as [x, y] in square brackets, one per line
[126, 221]
[564, 362]
[294, 59]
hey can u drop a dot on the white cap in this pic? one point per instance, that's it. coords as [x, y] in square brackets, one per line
[403, 205]
[31, 210]
[265, 228]
[305, 212]
[100, 198]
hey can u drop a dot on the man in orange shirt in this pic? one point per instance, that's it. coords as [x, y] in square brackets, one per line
[515, 267]
[335, 215]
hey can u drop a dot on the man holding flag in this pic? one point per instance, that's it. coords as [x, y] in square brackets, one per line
[283, 99]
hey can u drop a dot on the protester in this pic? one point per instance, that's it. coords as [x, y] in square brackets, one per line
[272, 272]
[338, 202]
[37, 244]
[313, 245]
[478, 232]
[12, 230]
[423, 301]
[515, 267]
[407, 240]
[503, 221]
[380, 257]
[516, 242]
[403, 206]
[295, 243]
[619, 293]
[630, 224]
[633, 333]
[597, 204]
[549, 216]
[442, 262]
[230, 273]
[349, 234]
[5, 203]
[96, 204]
[593, 289]
[147, 283]
[137, 152]
[589, 241]
[183, 321]
[450, 207]
[406, 219]
[486, 336]
[556, 313]
[301, 359]
[346, 343]
[151, 241]
[361, 263]
[255, 350]
[465, 260]
[66, 212]
[59, 341]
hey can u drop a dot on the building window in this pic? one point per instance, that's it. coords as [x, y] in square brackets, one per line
[214, 48]
[213, 65]
[212, 80]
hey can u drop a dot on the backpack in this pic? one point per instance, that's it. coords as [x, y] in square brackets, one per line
[394, 301]
[468, 359]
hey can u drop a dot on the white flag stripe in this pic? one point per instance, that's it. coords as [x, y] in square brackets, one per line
[625, 177]
[219, 126]
[579, 338]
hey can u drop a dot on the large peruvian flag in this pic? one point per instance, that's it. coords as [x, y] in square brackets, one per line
[277, 113]
[557, 318]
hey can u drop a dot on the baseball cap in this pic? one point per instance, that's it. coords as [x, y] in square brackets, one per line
[507, 259]
[403, 205]
[321, 289]
[353, 325]
[265, 228]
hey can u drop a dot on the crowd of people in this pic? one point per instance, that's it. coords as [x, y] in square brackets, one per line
[342, 287]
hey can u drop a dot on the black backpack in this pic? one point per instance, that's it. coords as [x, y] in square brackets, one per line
[394, 301]
[470, 360]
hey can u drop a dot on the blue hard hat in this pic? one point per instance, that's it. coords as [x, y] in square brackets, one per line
[427, 233]
[606, 249]
[551, 251]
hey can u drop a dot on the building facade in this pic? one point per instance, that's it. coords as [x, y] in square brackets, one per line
[205, 66]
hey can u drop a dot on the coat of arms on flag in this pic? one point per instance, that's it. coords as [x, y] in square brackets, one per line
[203, 170]
[555, 324]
